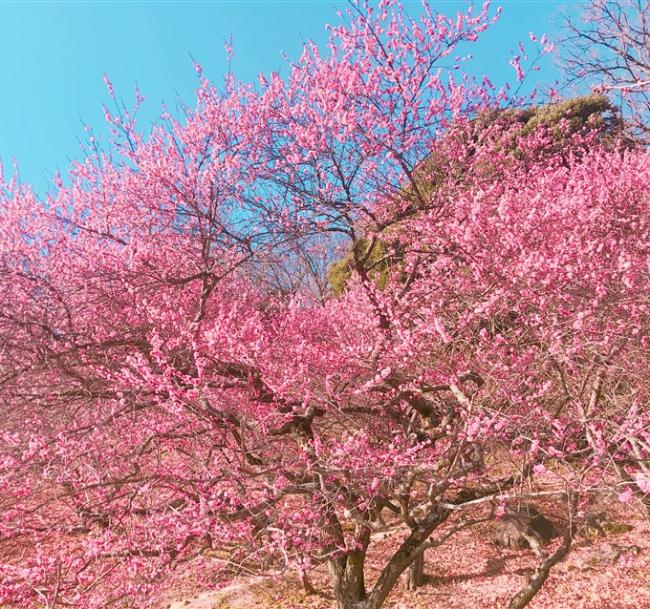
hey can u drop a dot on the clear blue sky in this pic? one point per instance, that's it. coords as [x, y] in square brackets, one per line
[53, 55]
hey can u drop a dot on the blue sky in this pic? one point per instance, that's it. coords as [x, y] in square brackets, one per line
[53, 56]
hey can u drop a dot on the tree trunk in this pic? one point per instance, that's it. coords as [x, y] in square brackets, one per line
[348, 581]
[541, 573]
[410, 550]
[307, 585]
[415, 573]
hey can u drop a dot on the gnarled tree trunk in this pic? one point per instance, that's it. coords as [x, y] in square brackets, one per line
[415, 574]
[348, 582]
[543, 569]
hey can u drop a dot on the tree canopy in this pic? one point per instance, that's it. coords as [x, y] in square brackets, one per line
[166, 419]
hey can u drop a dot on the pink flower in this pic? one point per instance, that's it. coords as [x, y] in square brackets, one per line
[643, 481]
[539, 469]
[442, 331]
[626, 496]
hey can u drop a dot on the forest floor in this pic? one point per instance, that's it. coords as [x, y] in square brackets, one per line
[469, 572]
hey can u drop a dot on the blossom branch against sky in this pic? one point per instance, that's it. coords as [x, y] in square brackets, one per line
[53, 57]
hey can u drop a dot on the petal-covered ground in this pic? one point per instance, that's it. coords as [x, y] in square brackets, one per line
[469, 572]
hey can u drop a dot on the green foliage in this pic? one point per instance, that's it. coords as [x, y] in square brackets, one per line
[578, 113]
[589, 112]
[373, 257]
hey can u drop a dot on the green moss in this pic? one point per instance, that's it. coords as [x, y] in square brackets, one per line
[612, 527]
[375, 262]
[589, 111]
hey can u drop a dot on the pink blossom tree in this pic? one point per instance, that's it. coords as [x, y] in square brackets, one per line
[168, 420]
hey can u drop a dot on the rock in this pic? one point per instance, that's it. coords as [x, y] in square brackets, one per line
[592, 526]
[611, 527]
[599, 525]
[611, 553]
[524, 527]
